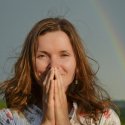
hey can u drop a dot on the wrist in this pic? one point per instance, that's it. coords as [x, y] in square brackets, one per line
[46, 123]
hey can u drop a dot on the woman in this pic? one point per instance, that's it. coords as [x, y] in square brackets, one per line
[53, 83]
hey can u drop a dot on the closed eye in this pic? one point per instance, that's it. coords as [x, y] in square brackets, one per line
[41, 56]
[65, 55]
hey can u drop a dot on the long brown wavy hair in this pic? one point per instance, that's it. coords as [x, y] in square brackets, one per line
[22, 89]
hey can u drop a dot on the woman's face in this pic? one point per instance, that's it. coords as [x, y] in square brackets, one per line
[55, 50]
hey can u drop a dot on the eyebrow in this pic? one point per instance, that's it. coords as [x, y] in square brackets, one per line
[62, 51]
[43, 52]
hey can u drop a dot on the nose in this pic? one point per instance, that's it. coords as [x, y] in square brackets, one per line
[54, 62]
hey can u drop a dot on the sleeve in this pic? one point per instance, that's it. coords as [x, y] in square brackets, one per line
[110, 118]
[6, 117]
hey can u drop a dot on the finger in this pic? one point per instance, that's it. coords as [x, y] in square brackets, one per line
[44, 74]
[56, 94]
[46, 78]
[61, 85]
[49, 111]
[46, 85]
[49, 95]
[51, 92]
[49, 78]
[60, 79]
[58, 84]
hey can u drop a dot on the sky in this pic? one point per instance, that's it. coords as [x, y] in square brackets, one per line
[100, 24]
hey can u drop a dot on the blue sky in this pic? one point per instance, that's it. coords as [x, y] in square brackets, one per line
[99, 22]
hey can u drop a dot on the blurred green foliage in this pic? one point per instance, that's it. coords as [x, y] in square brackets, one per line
[122, 115]
[2, 104]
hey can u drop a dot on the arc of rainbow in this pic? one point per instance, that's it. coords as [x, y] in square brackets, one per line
[114, 35]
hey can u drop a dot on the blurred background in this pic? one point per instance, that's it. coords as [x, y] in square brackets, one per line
[100, 23]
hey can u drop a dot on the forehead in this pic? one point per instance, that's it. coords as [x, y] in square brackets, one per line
[54, 40]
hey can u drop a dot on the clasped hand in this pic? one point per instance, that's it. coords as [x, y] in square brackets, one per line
[55, 109]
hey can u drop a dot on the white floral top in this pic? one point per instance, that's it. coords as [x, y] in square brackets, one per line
[33, 116]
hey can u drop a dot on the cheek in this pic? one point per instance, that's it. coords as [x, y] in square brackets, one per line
[70, 68]
[40, 67]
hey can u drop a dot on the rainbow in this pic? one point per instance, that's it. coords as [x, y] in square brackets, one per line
[115, 37]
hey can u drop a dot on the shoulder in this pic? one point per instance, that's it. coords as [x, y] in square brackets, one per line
[33, 114]
[6, 117]
[11, 117]
[110, 117]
